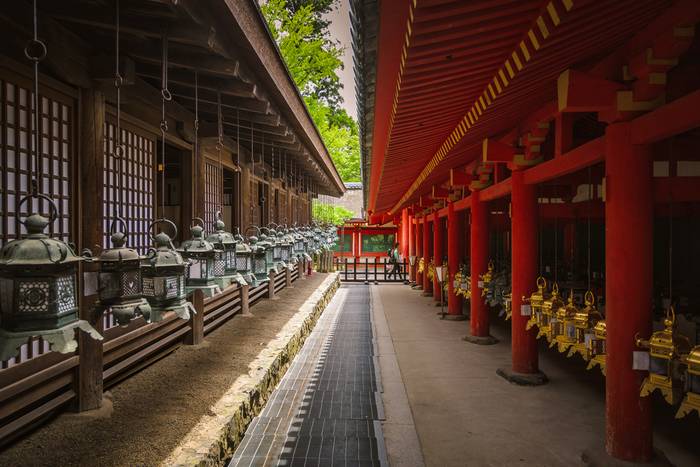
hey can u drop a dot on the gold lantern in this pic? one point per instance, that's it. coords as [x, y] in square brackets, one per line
[595, 346]
[666, 347]
[508, 301]
[431, 271]
[549, 308]
[692, 397]
[564, 325]
[486, 279]
[536, 302]
[584, 322]
[421, 265]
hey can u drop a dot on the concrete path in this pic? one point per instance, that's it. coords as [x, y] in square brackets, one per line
[466, 415]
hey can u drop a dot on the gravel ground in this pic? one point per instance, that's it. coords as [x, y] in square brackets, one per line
[154, 409]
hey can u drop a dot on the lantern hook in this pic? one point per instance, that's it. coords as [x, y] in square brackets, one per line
[163, 221]
[253, 227]
[113, 226]
[53, 211]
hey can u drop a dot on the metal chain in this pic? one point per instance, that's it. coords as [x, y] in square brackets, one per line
[118, 146]
[590, 207]
[165, 96]
[196, 135]
[220, 140]
[35, 50]
[670, 230]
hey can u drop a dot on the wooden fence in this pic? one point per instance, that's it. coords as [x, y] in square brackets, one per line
[37, 382]
[370, 270]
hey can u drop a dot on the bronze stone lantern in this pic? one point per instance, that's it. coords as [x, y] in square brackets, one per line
[225, 264]
[163, 273]
[119, 279]
[201, 257]
[259, 265]
[39, 288]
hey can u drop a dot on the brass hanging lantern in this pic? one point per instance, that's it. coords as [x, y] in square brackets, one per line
[163, 272]
[666, 347]
[536, 302]
[485, 279]
[421, 265]
[201, 256]
[119, 280]
[564, 325]
[595, 346]
[584, 322]
[692, 397]
[508, 305]
[549, 308]
[431, 270]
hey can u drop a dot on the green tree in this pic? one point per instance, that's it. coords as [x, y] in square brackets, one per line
[313, 60]
[327, 213]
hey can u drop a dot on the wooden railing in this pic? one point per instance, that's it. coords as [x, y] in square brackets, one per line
[38, 382]
[370, 270]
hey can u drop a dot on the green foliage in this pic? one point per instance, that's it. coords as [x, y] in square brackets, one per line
[313, 60]
[327, 213]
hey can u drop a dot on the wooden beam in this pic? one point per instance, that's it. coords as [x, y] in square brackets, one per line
[496, 151]
[498, 190]
[671, 119]
[579, 158]
[580, 92]
[226, 85]
[440, 193]
[459, 178]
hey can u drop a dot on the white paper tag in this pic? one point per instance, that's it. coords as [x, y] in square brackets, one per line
[640, 360]
[89, 283]
[546, 269]
[525, 310]
[588, 337]
[480, 284]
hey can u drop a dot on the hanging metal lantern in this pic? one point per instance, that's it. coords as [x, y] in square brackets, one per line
[244, 259]
[584, 321]
[202, 259]
[421, 265]
[39, 287]
[260, 270]
[485, 279]
[549, 308]
[288, 247]
[225, 263]
[564, 325]
[666, 347]
[265, 242]
[299, 248]
[163, 273]
[536, 301]
[508, 305]
[596, 348]
[692, 397]
[119, 279]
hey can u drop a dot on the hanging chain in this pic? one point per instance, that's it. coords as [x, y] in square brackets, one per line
[556, 250]
[219, 140]
[165, 97]
[670, 231]
[539, 231]
[35, 50]
[252, 160]
[118, 146]
[196, 135]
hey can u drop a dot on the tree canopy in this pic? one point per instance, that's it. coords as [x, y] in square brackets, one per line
[313, 60]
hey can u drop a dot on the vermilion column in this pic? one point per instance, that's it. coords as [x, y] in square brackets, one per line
[628, 290]
[411, 248]
[427, 254]
[454, 255]
[438, 254]
[479, 238]
[419, 253]
[404, 232]
[524, 222]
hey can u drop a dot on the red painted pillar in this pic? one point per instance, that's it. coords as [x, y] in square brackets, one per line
[628, 290]
[524, 222]
[454, 256]
[479, 238]
[419, 252]
[404, 233]
[427, 254]
[411, 248]
[438, 254]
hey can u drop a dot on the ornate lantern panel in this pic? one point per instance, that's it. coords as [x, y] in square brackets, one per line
[265, 245]
[584, 322]
[119, 280]
[692, 397]
[595, 346]
[259, 265]
[225, 258]
[163, 272]
[666, 348]
[536, 302]
[485, 279]
[549, 308]
[564, 325]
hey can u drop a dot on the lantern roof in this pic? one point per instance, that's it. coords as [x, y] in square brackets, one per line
[36, 248]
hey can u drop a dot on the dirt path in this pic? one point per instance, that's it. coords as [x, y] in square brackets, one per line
[156, 408]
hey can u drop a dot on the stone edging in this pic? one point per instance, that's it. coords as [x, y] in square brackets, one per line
[214, 439]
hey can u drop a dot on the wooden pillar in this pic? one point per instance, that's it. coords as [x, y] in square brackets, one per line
[90, 198]
[404, 233]
[454, 256]
[419, 252]
[628, 290]
[411, 248]
[427, 254]
[479, 257]
[288, 277]
[271, 286]
[438, 254]
[196, 334]
[524, 221]
[245, 300]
